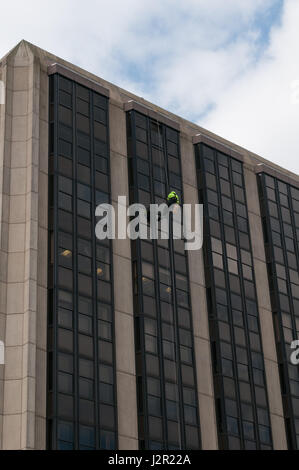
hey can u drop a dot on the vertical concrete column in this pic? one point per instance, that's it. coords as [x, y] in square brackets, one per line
[199, 310]
[40, 150]
[13, 251]
[5, 123]
[20, 247]
[123, 293]
[264, 304]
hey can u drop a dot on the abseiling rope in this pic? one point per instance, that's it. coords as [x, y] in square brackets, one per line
[160, 145]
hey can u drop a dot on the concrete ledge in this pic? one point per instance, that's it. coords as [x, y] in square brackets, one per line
[77, 77]
[263, 168]
[204, 139]
[141, 108]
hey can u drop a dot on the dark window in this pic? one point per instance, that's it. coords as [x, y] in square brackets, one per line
[234, 324]
[278, 203]
[163, 326]
[82, 364]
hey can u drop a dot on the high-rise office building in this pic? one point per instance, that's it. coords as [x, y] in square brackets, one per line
[138, 344]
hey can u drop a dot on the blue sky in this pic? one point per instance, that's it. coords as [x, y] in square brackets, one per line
[265, 22]
[227, 65]
[142, 71]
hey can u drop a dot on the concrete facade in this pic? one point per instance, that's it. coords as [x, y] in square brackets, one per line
[264, 303]
[123, 290]
[23, 259]
[23, 250]
[199, 311]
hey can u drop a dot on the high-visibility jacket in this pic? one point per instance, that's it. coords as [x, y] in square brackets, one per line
[173, 198]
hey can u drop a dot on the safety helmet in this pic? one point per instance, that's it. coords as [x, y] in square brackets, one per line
[173, 195]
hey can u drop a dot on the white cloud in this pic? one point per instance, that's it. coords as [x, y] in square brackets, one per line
[259, 111]
[189, 56]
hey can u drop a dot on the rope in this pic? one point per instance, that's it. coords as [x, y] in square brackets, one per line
[160, 146]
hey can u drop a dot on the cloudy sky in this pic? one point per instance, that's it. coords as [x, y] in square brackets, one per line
[231, 66]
